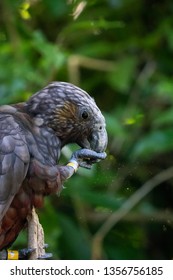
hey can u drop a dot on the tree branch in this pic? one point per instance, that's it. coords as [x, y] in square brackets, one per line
[156, 217]
[35, 236]
[114, 218]
[77, 61]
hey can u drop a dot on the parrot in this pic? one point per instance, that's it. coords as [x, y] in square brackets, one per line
[32, 135]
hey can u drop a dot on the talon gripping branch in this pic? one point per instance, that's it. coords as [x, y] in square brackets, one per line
[32, 135]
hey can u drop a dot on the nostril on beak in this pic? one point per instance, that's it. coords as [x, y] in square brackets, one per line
[98, 138]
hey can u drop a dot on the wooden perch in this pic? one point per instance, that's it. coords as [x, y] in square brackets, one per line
[35, 236]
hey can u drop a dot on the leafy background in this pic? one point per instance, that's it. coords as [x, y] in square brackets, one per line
[121, 52]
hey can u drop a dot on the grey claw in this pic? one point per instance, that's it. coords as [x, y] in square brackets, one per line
[85, 165]
[45, 256]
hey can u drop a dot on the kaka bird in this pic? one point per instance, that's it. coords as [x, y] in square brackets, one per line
[32, 135]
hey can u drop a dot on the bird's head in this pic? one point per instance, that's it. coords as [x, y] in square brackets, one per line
[72, 113]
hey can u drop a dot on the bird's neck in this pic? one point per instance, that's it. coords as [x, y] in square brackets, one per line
[44, 145]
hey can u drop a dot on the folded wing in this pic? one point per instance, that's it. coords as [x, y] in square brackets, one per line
[14, 160]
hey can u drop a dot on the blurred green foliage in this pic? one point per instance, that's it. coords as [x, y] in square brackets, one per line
[120, 51]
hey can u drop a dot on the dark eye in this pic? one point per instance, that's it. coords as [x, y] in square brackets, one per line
[84, 115]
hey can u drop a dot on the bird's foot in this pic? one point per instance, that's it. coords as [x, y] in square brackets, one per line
[45, 256]
[86, 158]
[25, 253]
[22, 254]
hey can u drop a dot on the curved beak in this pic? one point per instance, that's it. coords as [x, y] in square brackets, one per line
[98, 139]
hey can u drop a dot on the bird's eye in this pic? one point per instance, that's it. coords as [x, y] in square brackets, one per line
[84, 115]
